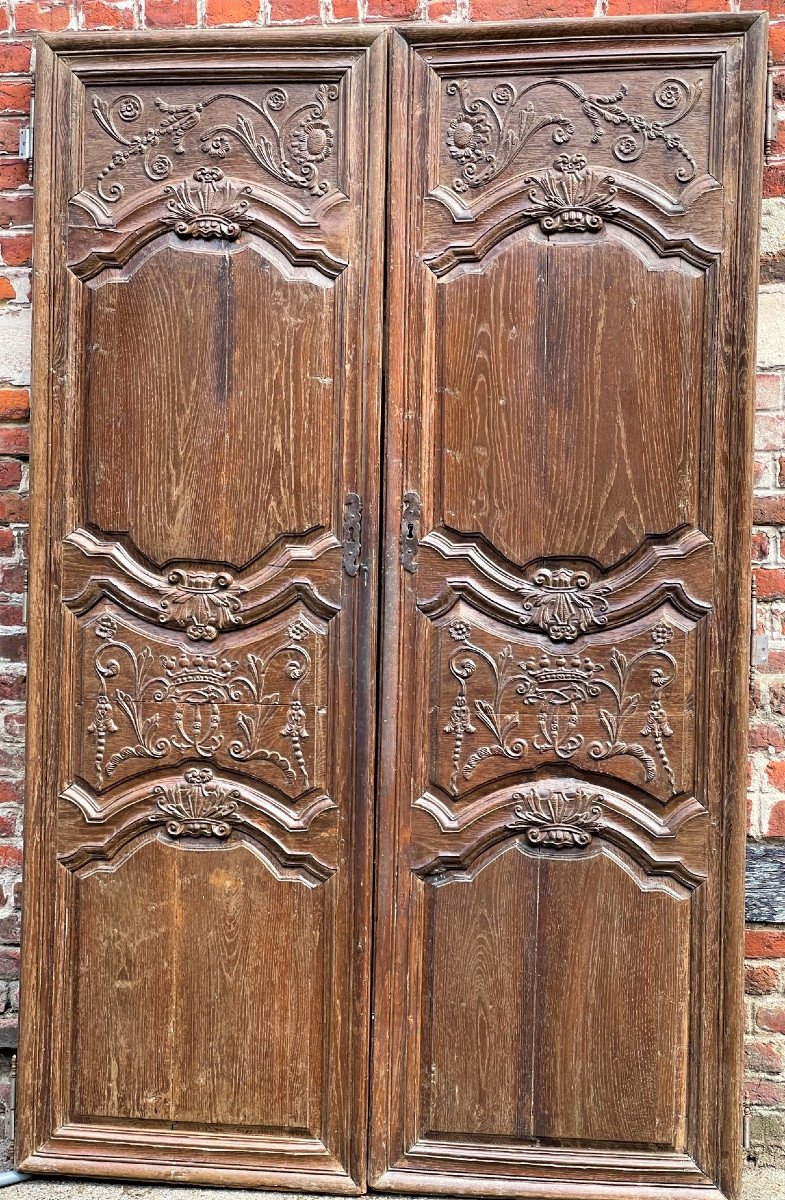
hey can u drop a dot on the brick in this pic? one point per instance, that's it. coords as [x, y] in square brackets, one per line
[14, 404]
[775, 825]
[14, 58]
[16, 250]
[10, 473]
[96, 14]
[774, 180]
[33, 17]
[294, 10]
[775, 8]
[170, 14]
[771, 581]
[763, 1056]
[11, 791]
[618, 8]
[7, 543]
[775, 772]
[12, 687]
[16, 211]
[764, 1091]
[14, 510]
[771, 1019]
[441, 10]
[13, 646]
[508, 10]
[760, 980]
[15, 97]
[764, 943]
[13, 174]
[14, 723]
[769, 510]
[9, 135]
[760, 545]
[231, 12]
[10, 928]
[768, 392]
[10, 857]
[14, 439]
[7, 289]
[5, 21]
[404, 10]
[345, 10]
[12, 578]
[777, 40]
[9, 962]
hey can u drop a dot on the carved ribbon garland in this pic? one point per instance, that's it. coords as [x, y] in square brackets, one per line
[487, 135]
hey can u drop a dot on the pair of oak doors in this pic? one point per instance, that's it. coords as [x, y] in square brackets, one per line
[389, 607]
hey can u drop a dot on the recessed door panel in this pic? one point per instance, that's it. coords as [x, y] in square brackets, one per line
[200, 825]
[561, 782]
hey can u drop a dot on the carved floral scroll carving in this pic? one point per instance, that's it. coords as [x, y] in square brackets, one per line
[557, 818]
[489, 132]
[596, 704]
[190, 703]
[289, 140]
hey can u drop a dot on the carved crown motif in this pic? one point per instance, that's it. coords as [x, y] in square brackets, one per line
[556, 817]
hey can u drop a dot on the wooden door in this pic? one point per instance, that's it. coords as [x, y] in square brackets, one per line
[572, 250]
[198, 842]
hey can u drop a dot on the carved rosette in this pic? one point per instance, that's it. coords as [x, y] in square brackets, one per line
[557, 818]
[564, 603]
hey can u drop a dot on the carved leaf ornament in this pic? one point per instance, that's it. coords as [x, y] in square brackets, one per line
[488, 133]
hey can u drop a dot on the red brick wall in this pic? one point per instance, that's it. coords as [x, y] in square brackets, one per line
[19, 21]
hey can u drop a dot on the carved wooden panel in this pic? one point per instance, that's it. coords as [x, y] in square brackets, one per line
[203, 601]
[572, 256]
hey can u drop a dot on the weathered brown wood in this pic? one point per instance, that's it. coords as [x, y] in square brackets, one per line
[572, 254]
[199, 830]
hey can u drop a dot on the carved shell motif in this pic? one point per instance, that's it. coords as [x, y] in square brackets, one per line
[212, 209]
[564, 603]
[571, 198]
[196, 806]
[557, 818]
